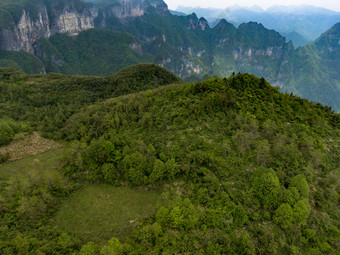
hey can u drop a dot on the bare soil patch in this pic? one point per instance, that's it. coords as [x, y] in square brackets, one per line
[30, 145]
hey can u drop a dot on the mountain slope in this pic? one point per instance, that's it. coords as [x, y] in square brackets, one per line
[244, 168]
[244, 164]
[316, 69]
[47, 101]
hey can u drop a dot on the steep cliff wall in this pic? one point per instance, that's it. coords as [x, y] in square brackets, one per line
[127, 8]
[49, 18]
[22, 35]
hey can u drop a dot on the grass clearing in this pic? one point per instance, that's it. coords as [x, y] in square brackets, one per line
[40, 163]
[99, 212]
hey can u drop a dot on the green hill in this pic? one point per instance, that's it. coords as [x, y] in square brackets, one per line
[223, 166]
[251, 170]
[47, 101]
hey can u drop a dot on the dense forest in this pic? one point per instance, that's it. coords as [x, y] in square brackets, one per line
[221, 166]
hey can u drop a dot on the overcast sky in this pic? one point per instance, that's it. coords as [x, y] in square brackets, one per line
[329, 4]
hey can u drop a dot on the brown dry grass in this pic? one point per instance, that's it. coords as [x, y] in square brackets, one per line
[30, 145]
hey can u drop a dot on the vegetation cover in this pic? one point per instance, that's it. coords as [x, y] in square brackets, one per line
[242, 168]
[47, 101]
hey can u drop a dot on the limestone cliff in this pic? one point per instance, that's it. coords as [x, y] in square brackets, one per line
[123, 9]
[50, 17]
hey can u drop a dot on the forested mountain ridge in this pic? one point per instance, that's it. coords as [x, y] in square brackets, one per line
[223, 166]
[77, 37]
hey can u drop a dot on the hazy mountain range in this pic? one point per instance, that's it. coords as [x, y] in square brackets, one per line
[76, 37]
[301, 24]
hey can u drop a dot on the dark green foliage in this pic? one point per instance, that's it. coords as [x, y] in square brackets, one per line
[6, 20]
[9, 128]
[95, 52]
[21, 61]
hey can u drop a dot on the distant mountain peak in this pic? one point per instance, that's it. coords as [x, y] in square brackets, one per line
[194, 22]
[224, 26]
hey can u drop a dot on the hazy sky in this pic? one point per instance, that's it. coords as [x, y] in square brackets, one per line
[329, 4]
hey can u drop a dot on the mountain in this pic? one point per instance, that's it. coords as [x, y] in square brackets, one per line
[309, 21]
[316, 66]
[101, 37]
[152, 165]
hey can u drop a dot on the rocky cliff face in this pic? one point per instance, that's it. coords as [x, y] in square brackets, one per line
[22, 35]
[123, 9]
[28, 30]
[126, 8]
[69, 17]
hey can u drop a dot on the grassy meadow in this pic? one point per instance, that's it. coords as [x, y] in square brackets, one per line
[98, 212]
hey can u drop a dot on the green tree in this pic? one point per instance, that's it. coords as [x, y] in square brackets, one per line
[89, 249]
[300, 183]
[284, 216]
[184, 216]
[266, 187]
[301, 212]
[134, 167]
[239, 215]
[114, 247]
[157, 171]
